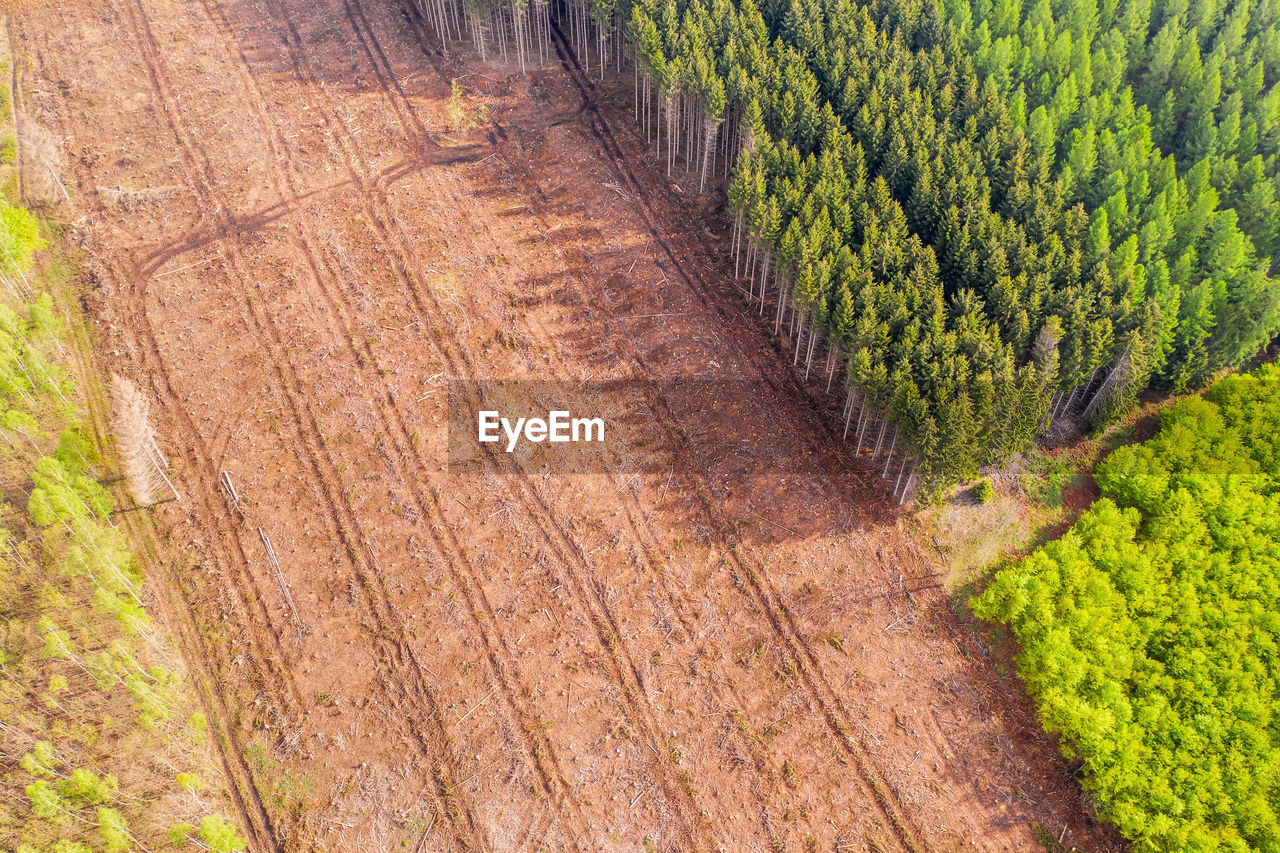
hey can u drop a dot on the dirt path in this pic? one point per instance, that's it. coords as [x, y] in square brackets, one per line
[291, 251]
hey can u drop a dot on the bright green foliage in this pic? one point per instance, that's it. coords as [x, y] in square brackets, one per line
[60, 495]
[74, 450]
[45, 802]
[88, 775]
[41, 760]
[57, 684]
[113, 830]
[179, 832]
[27, 370]
[984, 491]
[1150, 632]
[19, 238]
[57, 642]
[41, 315]
[189, 782]
[102, 668]
[155, 693]
[83, 788]
[198, 726]
[64, 846]
[219, 835]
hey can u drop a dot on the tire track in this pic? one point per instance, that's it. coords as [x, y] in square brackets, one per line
[568, 549]
[244, 792]
[727, 697]
[393, 428]
[176, 607]
[749, 579]
[572, 561]
[531, 189]
[405, 688]
[370, 45]
[610, 635]
[242, 585]
[570, 557]
[746, 577]
[197, 456]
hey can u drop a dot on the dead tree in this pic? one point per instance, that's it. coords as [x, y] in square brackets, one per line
[275, 565]
[140, 455]
[1114, 383]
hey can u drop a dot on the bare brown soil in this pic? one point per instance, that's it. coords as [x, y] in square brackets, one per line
[288, 248]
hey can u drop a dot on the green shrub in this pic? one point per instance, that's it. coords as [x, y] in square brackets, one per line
[198, 728]
[45, 802]
[984, 491]
[189, 782]
[179, 833]
[113, 830]
[220, 835]
[102, 668]
[57, 642]
[70, 591]
[65, 846]
[83, 787]
[41, 760]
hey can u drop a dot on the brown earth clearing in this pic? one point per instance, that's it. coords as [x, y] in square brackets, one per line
[290, 240]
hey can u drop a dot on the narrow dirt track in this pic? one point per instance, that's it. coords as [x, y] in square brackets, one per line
[719, 655]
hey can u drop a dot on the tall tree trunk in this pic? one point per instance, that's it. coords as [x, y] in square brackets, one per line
[1055, 400]
[813, 339]
[795, 340]
[708, 148]
[906, 487]
[673, 125]
[764, 275]
[782, 302]
[901, 470]
[737, 244]
[888, 459]
[848, 414]
[884, 422]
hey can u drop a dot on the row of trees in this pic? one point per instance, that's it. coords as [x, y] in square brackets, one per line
[869, 227]
[1150, 633]
[971, 250]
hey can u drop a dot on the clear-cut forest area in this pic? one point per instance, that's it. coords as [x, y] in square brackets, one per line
[937, 332]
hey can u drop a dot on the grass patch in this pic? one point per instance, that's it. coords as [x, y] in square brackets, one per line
[1045, 479]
